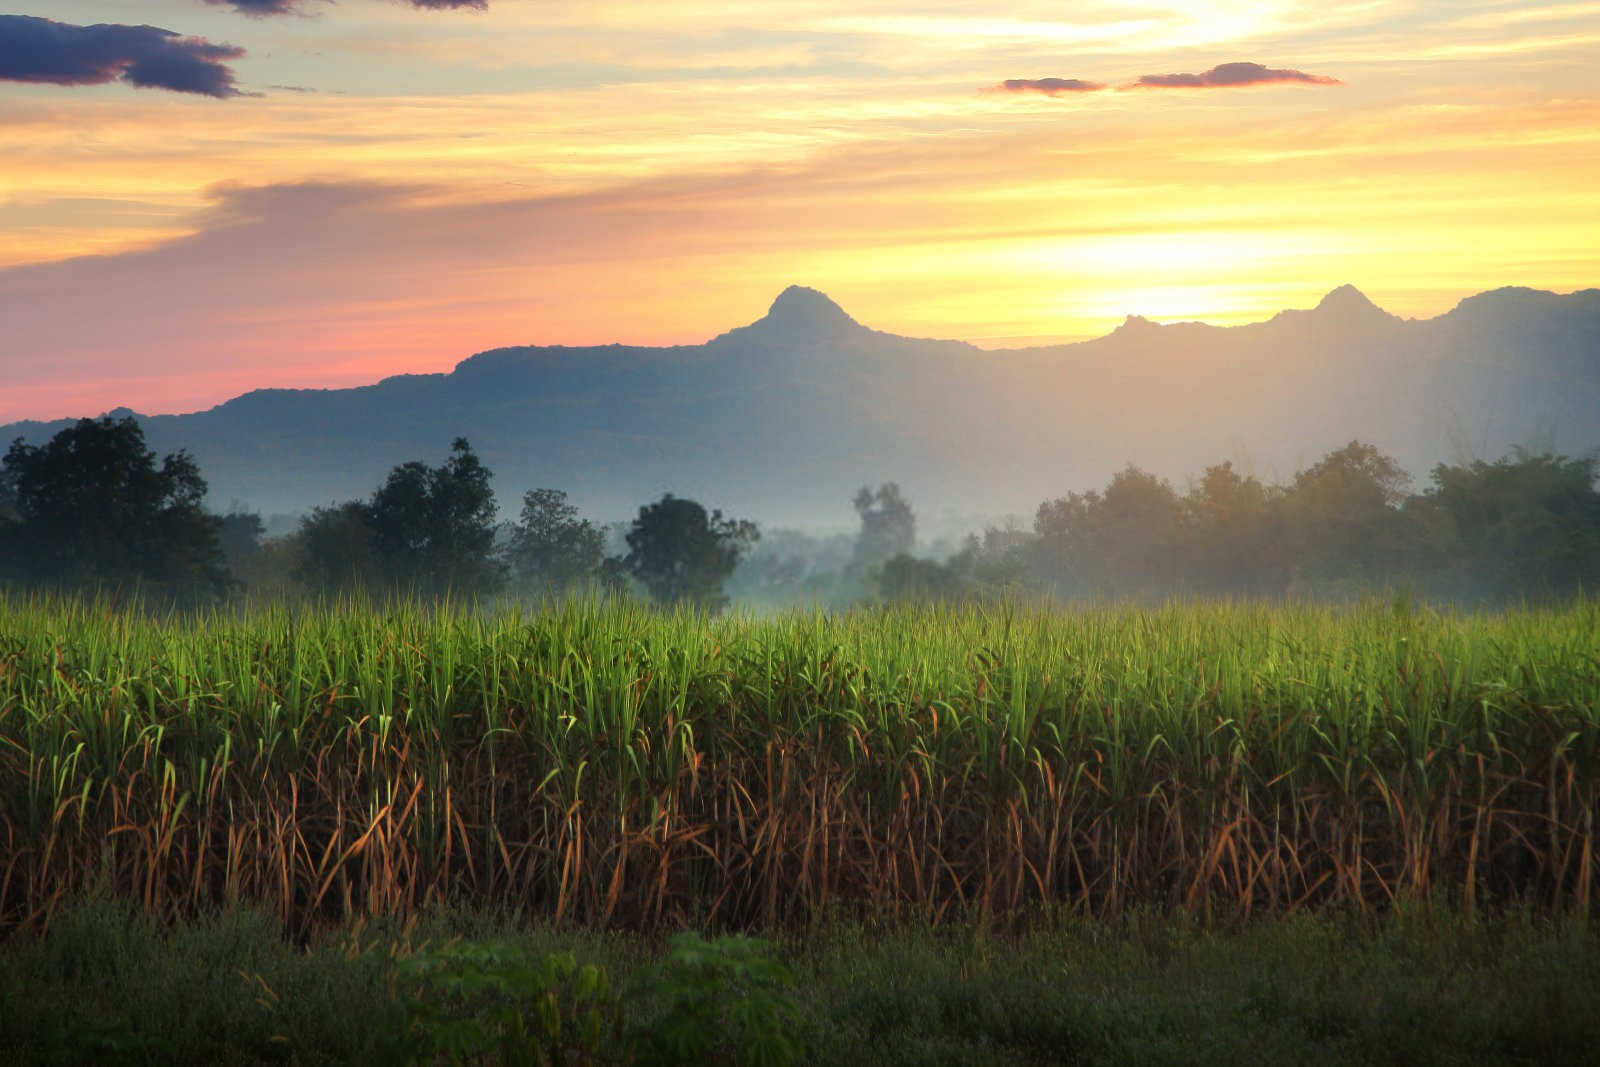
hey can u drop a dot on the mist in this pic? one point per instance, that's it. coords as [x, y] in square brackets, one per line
[91, 511]
[808, 460]
[783, 419]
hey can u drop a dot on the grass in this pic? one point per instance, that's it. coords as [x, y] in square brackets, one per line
[605, 764]
[107, 984]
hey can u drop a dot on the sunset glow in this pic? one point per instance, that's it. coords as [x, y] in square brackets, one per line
[382, 189]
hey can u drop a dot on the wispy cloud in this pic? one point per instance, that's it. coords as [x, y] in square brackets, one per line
[59, 53]
[1500, 19]
[1048, 86]
[1231, 75]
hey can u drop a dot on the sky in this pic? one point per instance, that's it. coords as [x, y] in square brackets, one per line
[201, 197]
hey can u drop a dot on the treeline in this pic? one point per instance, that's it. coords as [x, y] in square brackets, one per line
[92, 509]
[1524, 527]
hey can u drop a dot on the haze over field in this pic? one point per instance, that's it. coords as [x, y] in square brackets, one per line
[204, 197]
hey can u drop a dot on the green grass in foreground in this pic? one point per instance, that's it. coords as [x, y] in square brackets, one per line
[106, 985]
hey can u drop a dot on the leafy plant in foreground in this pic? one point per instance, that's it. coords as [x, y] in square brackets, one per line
[471, 1002]
[723, 996]
[475, 1001]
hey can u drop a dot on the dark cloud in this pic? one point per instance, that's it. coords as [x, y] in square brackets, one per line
[260, 7]
[1231, 74]
[58, 53]
[1048, 86]
[263, 8]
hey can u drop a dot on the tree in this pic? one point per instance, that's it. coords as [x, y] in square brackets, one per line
[1357, 476]
[906, 578]
[239, 535]
[334, 550]
[1125, 540]
[426, 530]
[1344, 520]
[682, 555]
[1528, 525]
[10, 521]
[1140, 530]
[433, 528]
[552, 550]
[92, 509]
[888, 526]
[996, 562]
[8, 498]
[1235, 545]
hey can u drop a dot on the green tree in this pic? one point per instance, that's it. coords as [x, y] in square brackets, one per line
[1128, 539]
[1344, 522]
[239, 535]
[1527, 525]
[682, 555]
[906, 578]
[426, 530]
[1358, 476]
[1064, 548]
[10, 523]
[8, 499]
[433, 527]
[995, 563]
[552, 550]
[1235, 541]
[888, 526]
[334, 550]
[92, 509]
[1141, 530]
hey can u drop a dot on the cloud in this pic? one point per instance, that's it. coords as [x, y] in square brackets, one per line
[263, 8]
[260, 8]
[57, 53]
[1229, 75]
[1047, 86]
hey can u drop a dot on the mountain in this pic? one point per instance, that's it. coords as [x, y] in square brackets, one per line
[783, 419]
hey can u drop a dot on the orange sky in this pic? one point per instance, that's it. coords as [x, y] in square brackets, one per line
[655, 172]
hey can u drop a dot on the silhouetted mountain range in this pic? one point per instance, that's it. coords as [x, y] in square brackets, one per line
[783, 419]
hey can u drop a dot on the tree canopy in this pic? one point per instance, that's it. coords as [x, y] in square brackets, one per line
[682, 555]
[552, 550]
[888, 525]
[91, 508]
[1527, 524]
[427, 531]
[333, 550]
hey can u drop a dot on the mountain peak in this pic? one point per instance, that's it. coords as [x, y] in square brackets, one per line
[808, 312]
[1348, 301]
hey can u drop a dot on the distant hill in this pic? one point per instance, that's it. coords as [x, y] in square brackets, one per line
[782, 419]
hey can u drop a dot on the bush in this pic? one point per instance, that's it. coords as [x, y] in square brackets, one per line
[472, 1001]
[725, 998]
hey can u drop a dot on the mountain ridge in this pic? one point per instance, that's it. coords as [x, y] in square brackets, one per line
[784, 417]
